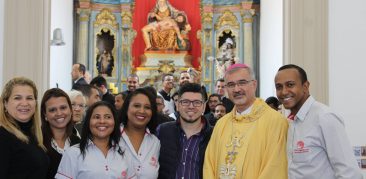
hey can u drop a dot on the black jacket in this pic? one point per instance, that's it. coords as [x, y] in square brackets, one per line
[171, 148]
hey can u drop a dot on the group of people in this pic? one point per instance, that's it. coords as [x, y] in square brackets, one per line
[80, 134]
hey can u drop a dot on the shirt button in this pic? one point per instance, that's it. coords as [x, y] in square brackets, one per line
[184, 163]
[139, 166]
[185, 149]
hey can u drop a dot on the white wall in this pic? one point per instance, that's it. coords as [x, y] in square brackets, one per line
[347, 64]
[61, 56]
[1, 42]
[271, 44]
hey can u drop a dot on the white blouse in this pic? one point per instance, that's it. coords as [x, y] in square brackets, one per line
[145, 163]
[94, 165]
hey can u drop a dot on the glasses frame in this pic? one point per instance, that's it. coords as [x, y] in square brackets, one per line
[195, 103]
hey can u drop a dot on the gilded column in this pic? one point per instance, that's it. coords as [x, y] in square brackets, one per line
[248, 36]
[82, 48]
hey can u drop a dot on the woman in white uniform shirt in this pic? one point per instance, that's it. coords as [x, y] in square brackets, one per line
[141, 147]
[97, 156]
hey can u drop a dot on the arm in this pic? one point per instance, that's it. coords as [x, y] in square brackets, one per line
[338, 147]
[5, 153]
[209, 165]
[68, 166]
[274, 157]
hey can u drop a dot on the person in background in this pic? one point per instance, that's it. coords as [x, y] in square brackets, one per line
[184, 141]
[98, 155]
[213, 100]
[57, 126]
[273, 103]
[77, 75]
[78, 103]
[175, 115]
[184, 77]
[250, 141]
[160, 104]
[132, 83]
[101, 83]
[22, 153]
[91, 93]
[220, 111]
[168, 85]
[317, 143]
[119, 99]
[220, 89]
[139, 116]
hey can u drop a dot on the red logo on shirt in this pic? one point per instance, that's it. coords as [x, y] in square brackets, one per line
[301, 147]
[154, 162]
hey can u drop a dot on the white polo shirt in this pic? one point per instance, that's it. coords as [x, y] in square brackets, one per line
[145, 163]
[317, 145]
[94, 165]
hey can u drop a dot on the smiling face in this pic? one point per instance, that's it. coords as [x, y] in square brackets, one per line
[220, 88]
[21, 104]
[139, 112]
[101, 123]
[190, 113]
[58, 112]
[290, 90]
[243, 96]
[132, 83]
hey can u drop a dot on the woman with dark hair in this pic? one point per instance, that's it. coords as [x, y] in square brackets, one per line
[57, 126]
[138, 116]
[98, 155]
[22, 153]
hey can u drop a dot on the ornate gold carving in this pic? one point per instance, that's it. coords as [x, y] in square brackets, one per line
[106, 17]
[126, 18]
[166, 66]
[207, 17]
[227, 19]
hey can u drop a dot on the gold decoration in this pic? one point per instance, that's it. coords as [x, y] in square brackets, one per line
[106, 17]
[126, 18]
[227, 19]
[83, 14]
[166, 66]
[207, 17]
[248, 16]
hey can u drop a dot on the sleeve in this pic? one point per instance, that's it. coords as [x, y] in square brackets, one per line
[338, 147]
[5, 153]
[275, 156]
[210, 159]
[68, 166]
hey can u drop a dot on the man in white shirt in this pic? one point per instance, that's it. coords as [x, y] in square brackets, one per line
[317, 143]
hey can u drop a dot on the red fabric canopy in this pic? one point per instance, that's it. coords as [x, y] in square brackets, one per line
[190, 7]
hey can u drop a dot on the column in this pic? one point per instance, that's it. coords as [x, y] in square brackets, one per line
[82, 41]
[248, 37]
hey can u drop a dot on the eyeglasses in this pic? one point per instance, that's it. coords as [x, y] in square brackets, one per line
[186, 102]
[240, 83]
[81, 106]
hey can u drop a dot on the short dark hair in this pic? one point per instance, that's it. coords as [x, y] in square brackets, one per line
[219, 80]
[82, 68]
[301, 71]
[86, 134]
[85, 89]
[165, 75]
[215, 95]
[191, 87]
[273, 100]
[99, 81]
[153, 121]
[132, 75]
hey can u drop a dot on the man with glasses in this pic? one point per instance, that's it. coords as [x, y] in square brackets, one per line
[183, 142]
[317, 146]
[250, 141]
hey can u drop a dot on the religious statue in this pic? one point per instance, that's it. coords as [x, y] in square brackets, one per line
[167, 28]
[105, 63]
[226, 57]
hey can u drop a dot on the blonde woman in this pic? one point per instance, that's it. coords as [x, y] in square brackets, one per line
[22, 153]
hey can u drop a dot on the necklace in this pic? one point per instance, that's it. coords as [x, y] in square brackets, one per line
[229, 170]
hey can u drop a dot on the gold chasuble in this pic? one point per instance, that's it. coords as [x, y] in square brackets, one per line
[251, 146]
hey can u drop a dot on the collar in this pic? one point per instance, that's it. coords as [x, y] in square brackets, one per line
[78, 79]
[305, 108]
[165, 95]
[247, 111]
[204, 121]
[255, 112]
[122, 128]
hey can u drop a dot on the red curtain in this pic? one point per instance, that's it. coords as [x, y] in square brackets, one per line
[143, 7]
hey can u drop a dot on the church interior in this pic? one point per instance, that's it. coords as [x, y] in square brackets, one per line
[41, 39]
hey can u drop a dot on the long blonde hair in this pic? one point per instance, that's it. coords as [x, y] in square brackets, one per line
[9, 123]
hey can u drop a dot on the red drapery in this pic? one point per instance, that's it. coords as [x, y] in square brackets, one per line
[190, 7]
